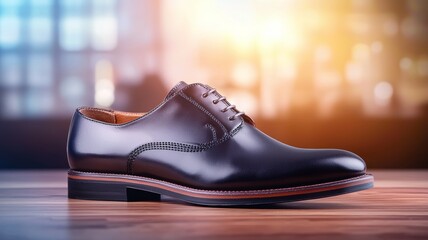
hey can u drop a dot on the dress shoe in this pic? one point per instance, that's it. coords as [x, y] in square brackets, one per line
[198, 147]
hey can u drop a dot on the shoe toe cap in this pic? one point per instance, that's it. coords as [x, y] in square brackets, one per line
[337, 164]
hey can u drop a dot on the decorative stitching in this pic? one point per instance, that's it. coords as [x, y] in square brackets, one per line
[203, 110]
[227, 103]
[148, 113]
[235, 130]
[211, 127]
[137, 119]
[106, 111]
[171, 146]
[183, 147]
[174, 89]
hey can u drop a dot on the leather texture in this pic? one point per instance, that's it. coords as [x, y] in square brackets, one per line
[188, 140]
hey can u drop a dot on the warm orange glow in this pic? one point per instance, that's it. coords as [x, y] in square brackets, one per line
[293, 54]
[104, 85]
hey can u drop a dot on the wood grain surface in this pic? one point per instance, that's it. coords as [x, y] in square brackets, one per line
[34, 205]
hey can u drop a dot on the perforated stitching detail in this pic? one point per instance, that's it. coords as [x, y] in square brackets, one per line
[211, 127]
[183, 147]
[203, 110]
[171, 146]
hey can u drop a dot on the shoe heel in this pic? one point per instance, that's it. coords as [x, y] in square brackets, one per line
[107, 191]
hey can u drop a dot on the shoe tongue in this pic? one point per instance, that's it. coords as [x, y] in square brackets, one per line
[176, 88]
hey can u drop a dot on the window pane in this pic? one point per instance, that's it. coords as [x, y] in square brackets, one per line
[73, 91]
[11, 70]
[39, 70]
[103, 7]
[39, 31]
[73, 25]
[104, 25]
[38, 102]
[73, 33]
[10, 31]
[76, 83]
[73, 7]
[104, 33]
[40, 7]
[10, 24]
[40, 23]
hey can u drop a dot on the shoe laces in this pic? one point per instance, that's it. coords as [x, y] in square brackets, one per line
[221, 98]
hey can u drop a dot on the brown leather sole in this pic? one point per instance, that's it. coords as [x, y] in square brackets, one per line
[106, 186]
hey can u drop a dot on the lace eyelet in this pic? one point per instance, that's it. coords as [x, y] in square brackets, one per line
[228, 107]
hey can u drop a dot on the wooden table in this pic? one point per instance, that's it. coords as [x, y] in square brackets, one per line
[34, 205]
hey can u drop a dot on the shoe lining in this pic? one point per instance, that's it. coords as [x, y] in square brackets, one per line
[109, 116]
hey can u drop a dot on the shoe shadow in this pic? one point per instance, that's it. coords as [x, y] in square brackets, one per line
[310, 204]
[301, 205]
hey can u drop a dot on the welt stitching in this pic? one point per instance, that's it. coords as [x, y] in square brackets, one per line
[76, 173]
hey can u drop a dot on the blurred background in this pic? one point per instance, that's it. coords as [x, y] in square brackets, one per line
[349, 74]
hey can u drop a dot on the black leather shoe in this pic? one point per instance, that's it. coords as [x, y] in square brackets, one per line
[197, 147]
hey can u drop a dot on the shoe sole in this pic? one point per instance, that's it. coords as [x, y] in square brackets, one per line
[118, 187]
